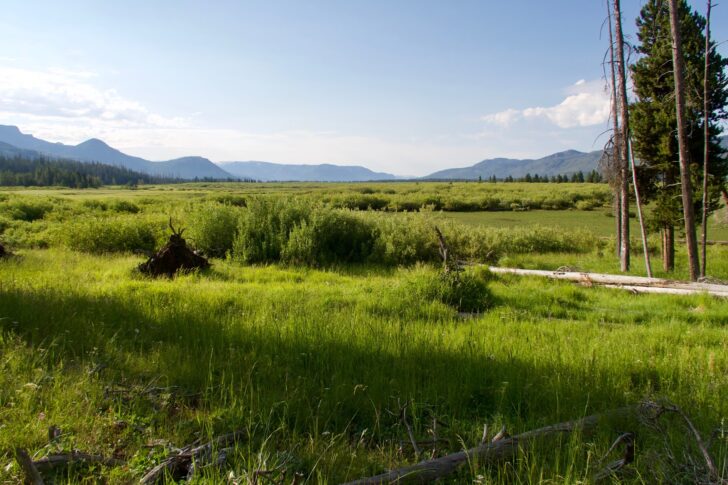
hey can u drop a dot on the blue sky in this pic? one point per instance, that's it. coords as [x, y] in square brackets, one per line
[407, 87]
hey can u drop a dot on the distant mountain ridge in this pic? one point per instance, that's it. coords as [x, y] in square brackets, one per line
[15, 143]
[561, 163]
[326, 172]
[95, 150]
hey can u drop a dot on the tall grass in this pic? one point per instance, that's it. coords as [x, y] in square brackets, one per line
[311, 365]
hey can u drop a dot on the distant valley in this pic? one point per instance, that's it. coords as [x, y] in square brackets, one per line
[15, 143]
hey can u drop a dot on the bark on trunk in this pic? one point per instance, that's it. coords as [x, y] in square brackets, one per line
[621, 281]
[706, 141]
[624, 132]
[686, 184]
[668, 248]
[616, 139]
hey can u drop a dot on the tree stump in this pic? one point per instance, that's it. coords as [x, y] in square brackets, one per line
[174, 257]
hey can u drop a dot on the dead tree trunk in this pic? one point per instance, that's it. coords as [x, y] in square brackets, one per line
[492, 452]
[682, 141]
[624, 132]
[615, 138]
[706, 141]
[668, 247]
[638, 203]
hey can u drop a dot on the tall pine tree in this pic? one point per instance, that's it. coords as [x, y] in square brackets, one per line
[654, 116]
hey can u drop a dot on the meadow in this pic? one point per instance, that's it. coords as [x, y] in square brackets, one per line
[319, 322]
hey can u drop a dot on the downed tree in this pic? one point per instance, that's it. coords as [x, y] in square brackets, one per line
[630, 283]
[191, 458]
[175, 256]
[52, 462]
[33, 469]
[490, 452]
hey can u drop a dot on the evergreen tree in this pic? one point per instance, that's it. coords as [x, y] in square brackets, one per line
[654, 116]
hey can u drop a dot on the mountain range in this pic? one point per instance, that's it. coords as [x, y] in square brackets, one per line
[561, 163]
[95, 150]
[325, 172]
[15, 143]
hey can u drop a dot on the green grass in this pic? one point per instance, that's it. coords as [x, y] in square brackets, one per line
[309, 363]
[599, 222]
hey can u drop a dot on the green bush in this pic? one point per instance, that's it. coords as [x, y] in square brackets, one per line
[28, 210]
[95, 204]
[231, 199]
[330, 236]
[212, 228]
[111, 234]
[264, 228]
[465, 291]
[125, 206]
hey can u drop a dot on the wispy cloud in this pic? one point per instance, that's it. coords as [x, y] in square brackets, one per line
[586, 104]
[64, 94]
[72, 106]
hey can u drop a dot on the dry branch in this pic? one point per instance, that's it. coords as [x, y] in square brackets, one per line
[631, 283]
[495, 451]
[32, 475]
[52, 462]
[191, 458]
[174, 257]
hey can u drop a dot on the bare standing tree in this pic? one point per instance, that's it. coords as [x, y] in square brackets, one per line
[623, 155]
[706, 141]
[682, 141]
[612, 170]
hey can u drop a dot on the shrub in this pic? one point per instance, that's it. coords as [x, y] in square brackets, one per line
[125, 206]
[466, 291]
[26, 209]
[231, 199]
[111, 234]
[264, 228]
[330, 236]
[212, 228]
[95, 204]
[403, 239]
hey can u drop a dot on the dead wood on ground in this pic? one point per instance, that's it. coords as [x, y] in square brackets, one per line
[174, 257]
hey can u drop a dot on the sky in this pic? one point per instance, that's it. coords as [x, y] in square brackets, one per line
[403, 86]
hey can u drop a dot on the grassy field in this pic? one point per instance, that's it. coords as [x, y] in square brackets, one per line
[600, 222]
[313, 363]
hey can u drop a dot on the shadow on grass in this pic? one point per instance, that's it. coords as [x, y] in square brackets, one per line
[304, 374]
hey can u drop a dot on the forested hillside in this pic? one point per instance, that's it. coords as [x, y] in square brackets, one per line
[42, 172]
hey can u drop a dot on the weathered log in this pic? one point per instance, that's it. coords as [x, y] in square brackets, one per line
[184, 464]
[174, 257]
[631, 283]
[32, 475]
[61, 460]
[493, 452]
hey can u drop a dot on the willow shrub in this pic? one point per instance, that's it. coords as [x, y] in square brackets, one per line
[330, 236]
[123, 233]
[212, 228]
[264, 228]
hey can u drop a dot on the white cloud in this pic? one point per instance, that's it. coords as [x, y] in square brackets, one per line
[63, 94]
[70, 107]
[586, 104]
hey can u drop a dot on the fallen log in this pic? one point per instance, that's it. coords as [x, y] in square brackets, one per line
[52, 462]
[492, 452]
[190, 459]
[709, 242]
[174, 257]
[32, 475]
[631, 283]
